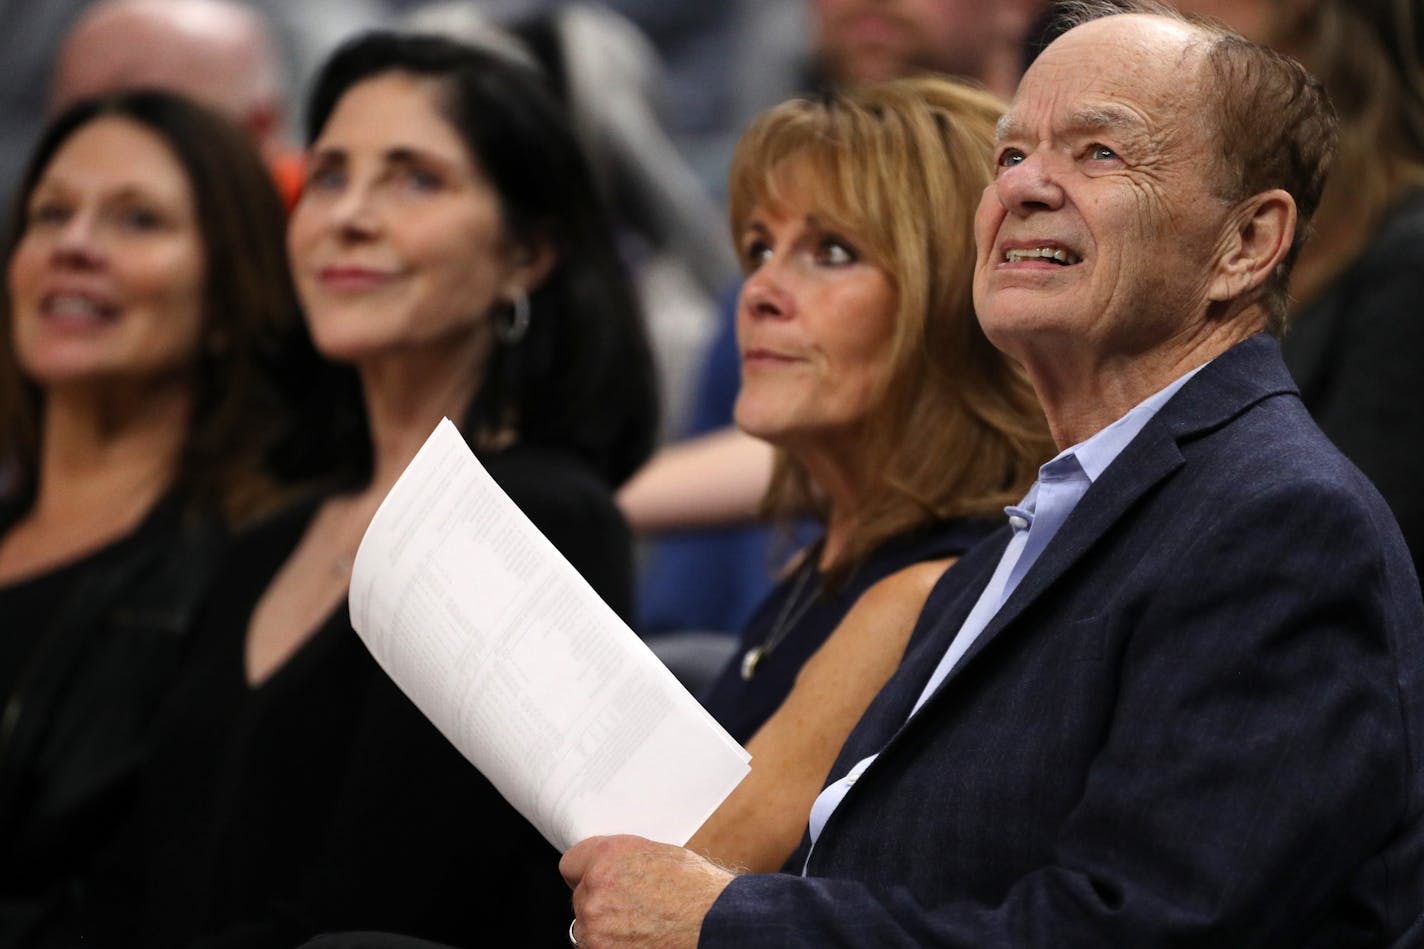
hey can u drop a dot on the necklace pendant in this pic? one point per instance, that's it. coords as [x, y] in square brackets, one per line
[749, 662]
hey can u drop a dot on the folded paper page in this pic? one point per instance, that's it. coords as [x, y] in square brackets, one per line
[510, 653]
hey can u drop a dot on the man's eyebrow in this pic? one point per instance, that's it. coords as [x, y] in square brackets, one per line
[1105, 118]
[1008, 127]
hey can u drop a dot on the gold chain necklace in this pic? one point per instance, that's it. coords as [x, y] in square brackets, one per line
[787, 617]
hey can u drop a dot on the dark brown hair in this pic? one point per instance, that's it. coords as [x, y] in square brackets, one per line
[582, 378]
[249, 302]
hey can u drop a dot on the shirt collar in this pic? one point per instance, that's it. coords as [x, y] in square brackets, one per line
[1096, 452]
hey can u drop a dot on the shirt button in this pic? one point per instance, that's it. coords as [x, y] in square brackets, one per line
[1018, 523]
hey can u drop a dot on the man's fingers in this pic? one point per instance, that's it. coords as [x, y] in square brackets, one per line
[575, 862]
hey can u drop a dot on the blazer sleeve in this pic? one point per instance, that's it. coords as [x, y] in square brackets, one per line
[1255, 760]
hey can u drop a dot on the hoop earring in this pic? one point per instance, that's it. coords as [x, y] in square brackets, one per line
[510, 325]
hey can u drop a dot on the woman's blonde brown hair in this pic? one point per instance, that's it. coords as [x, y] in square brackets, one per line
[899, 167]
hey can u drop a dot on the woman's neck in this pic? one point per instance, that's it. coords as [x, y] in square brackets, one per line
[407, 395]
[106, 458]
[841, 483]
[110, 448]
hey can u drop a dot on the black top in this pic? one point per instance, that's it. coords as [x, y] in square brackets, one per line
[1355, 353]
[742, 705]
[88, 652]
[322, 799]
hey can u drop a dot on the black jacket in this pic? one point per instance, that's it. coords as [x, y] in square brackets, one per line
[74, 729]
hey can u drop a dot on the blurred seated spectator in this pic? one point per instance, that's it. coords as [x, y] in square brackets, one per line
[1356, 335]
[221, 53]
[858, 41]
[147, 293]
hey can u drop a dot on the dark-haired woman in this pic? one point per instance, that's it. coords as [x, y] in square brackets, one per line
[147, 287]
[449, 249]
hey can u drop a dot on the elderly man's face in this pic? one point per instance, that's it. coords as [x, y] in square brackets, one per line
[1101, 228]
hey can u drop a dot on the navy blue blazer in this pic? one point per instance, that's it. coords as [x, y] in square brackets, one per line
[1199, 720]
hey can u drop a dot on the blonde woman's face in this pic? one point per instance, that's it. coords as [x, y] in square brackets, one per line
[815, 325]
[107, 280]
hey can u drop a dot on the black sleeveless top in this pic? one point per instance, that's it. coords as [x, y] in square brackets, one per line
[806, 615]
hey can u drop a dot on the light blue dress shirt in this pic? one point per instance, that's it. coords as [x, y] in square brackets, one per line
[1061, 484]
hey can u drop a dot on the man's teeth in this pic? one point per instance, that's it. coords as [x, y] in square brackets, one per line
[1041, 253]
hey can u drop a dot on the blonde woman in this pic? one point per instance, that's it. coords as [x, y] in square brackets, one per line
[893, 419]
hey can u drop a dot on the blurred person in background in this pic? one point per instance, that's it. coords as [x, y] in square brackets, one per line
[861, 41]
[221, 53]
[1356, 331]
[147, 295]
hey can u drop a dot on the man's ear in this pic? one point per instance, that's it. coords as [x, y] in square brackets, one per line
[1261, 230]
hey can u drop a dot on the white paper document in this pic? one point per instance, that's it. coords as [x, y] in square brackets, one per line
[510, 653]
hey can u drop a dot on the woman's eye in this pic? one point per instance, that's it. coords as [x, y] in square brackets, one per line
[421, 180]
[756, 253]
[835, 253]
[139, 219]
[324, 179]
[47, 212]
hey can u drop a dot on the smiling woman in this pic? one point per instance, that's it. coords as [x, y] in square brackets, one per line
[146, 290]
[454, 261]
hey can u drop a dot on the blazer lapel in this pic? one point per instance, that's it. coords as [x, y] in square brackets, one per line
[1237, 379]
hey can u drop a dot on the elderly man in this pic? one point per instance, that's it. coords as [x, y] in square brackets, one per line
[1182, 701]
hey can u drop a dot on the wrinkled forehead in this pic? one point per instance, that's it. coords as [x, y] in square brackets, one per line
[1119, 72]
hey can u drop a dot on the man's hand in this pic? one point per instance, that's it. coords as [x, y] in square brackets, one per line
[630, 892]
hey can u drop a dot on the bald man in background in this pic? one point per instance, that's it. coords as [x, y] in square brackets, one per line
[220, 53]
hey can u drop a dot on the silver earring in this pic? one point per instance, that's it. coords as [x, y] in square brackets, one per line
[510, 325]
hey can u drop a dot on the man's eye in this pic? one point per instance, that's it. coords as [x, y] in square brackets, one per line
[1101, 153]
[1010, 157]
[835, 252]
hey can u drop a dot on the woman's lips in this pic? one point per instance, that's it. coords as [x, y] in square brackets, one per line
[766, 357]
[353, 279]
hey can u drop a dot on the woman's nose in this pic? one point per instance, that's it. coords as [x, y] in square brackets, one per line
[353, 213]
[764, 294]
[78, 240]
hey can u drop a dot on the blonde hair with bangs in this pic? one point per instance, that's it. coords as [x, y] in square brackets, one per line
[955, 430]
